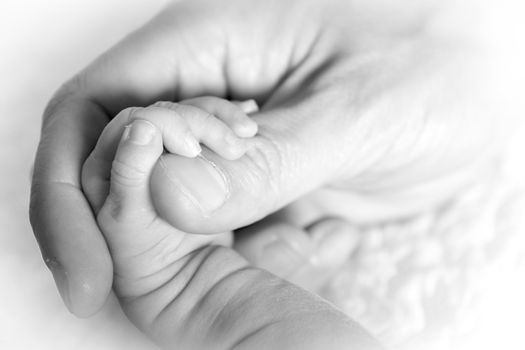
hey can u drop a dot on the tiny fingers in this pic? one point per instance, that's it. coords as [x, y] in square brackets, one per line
[183, 126]
[233, 114]
[221, 125]
[177, 135]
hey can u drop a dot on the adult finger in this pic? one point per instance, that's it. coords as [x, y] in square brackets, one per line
[308, 257]
[60, 215]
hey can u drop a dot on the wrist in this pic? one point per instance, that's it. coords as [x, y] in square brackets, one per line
[216, 300]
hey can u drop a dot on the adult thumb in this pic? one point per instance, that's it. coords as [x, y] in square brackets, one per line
[298, 148]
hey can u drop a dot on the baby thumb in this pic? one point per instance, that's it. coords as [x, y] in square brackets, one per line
[138, 151]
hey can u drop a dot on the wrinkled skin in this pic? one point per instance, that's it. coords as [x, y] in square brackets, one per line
[363, 117]
[186, 290]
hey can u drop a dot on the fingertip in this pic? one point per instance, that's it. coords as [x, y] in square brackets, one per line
[248, 106]
[228, 145]
[72, 246]
[140, 145]
[139, 132]
[83, 291]
[191, 146]
[87, 298]
[246, 128]
[243, 125]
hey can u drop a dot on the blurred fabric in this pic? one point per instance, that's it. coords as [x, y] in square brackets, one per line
[446, 279]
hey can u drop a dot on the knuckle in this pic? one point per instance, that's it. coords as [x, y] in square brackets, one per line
[115, 212]
[207, 124]
[112, 212]
[176, 108]
[131, 113]
[127, 175]
[173, 106]
[208, 119]
[267, 162]
[163, 104]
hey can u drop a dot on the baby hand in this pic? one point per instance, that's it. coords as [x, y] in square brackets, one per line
[188, 289]
[117, 179]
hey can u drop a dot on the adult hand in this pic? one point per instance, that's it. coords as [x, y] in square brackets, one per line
[364, 112]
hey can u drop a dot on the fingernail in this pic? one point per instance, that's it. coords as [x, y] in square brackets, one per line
[200, 180]
[139, 132]
[192, 145]
[61, 281]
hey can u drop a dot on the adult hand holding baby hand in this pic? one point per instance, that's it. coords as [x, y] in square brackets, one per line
[352, 100]
[187, 289]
